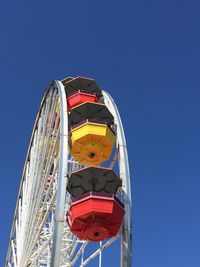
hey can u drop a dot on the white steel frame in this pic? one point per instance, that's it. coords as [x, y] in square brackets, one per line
[40, 235]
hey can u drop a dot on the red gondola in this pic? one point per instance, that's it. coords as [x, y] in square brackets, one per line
[95, 217]
[80, 97]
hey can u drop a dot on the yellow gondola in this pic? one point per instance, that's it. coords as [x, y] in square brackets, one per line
[92, 143]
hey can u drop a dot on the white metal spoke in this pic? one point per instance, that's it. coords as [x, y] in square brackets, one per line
[98, 251]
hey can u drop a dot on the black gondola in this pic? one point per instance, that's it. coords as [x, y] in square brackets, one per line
[90, 111]
[95, 179]
[81, 83]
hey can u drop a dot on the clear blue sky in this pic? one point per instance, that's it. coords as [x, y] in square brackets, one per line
[147, 55]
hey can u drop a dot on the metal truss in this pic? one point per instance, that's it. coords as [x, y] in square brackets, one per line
[40, 236]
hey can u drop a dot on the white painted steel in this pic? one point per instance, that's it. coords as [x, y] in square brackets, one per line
[62, 178]
[126, 239]
[40, 235]
[33, 219]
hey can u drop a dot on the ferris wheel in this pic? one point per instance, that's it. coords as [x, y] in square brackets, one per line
[74, 202]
